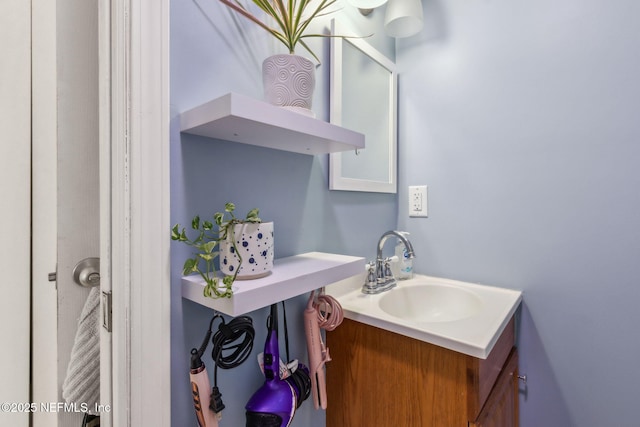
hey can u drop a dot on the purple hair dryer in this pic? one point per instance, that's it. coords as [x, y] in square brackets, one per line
[275, 403]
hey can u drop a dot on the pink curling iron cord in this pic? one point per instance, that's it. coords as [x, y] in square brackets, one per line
[323, 311]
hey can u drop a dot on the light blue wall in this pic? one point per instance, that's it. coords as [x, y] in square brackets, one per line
[523, 119]
[212, 54]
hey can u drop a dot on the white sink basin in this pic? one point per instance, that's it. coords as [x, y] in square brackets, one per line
[429, 302]
[464, 317]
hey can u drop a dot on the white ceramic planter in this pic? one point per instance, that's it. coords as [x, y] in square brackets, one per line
[289, 82]
[254, 242]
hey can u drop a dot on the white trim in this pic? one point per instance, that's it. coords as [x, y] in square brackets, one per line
[104, 131]
[150, 225]
[15, 190]
[115, 230]
[139, 211]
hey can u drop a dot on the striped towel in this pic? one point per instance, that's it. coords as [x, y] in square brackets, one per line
[82, 383]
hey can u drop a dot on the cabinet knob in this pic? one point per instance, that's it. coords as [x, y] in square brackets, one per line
[523, 378]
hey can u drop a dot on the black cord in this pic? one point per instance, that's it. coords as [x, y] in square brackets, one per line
[232, 343]
[286, 331]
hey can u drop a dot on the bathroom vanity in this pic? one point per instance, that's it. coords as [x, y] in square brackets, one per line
[381, 378]
[416, 370]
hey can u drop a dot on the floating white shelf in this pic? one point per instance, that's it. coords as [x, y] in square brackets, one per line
[238, 118]
[290, 277]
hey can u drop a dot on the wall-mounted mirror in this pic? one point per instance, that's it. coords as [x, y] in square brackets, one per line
[363, 87]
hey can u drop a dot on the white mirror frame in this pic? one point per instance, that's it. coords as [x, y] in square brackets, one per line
[336, 180]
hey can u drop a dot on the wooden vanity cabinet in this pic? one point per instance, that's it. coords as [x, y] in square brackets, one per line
[380, 378]
[501, 408]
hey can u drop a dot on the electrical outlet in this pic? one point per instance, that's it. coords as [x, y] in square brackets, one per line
[418, 200]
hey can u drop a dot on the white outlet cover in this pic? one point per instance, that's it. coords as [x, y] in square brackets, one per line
[418, 201]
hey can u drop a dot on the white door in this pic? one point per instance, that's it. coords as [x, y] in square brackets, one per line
[78, 204]
[66, 212]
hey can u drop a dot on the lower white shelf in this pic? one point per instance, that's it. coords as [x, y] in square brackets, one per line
[290, 277]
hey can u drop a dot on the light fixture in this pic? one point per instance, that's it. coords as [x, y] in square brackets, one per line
[403, 18]
[367, 4]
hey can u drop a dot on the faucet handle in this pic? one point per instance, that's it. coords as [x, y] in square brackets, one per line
[371, 275]
[371, 284]
[387, 267]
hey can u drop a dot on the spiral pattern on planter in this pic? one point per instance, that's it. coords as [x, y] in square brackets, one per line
[289, 80]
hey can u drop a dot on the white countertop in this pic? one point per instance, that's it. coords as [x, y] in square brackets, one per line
[474, 335]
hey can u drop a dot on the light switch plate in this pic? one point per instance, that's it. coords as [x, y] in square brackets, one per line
[418, 200]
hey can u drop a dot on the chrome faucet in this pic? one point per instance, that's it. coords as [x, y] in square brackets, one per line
[379, 277]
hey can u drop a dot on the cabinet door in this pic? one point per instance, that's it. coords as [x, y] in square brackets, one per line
[380, 378]
[501, 409]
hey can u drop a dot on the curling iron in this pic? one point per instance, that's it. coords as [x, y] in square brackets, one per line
[232, 345]
[200, 387]
[323, 312]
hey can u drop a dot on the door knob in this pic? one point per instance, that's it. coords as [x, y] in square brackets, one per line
[87, 272]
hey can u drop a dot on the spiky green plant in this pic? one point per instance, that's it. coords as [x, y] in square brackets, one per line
[206, 242]
[291, 19]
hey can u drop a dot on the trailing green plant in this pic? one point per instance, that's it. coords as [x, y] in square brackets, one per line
[291, 19]
[209, 235]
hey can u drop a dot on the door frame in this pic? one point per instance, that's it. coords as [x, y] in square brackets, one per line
[134, 172]
[15, 190]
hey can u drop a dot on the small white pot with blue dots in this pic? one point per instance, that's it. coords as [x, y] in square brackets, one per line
[254, 242]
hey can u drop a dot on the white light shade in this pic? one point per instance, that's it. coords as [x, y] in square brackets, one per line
[367, 4]
[403, 18]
